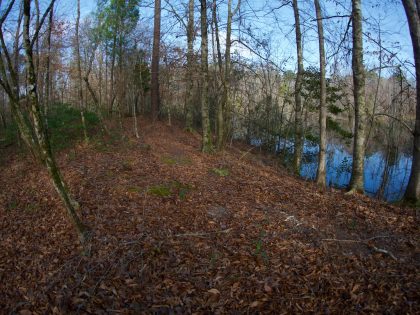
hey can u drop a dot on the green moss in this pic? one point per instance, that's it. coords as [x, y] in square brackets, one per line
[133, 189]
[174, 188]
[31, 208]
[168, 160]
[160, 191]
[176, 160]
[222, 172]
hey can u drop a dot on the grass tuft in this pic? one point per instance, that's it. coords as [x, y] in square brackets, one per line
[222, 172]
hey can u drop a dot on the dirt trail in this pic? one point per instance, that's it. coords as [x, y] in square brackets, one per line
[173, 236]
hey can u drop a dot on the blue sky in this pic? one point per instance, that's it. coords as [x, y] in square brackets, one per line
[280, 29]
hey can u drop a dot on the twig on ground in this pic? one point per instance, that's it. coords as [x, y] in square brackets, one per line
[203, 234]
[244, 154]
[366, 243]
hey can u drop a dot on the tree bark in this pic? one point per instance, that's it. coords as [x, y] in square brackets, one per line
[155, 97]
[412, 9]
[40, 132]
[297, 159]
[206, 142]
[79, 75]
[357, 176]
[47, 66]
[321, 172]
[190, 64]
[220, 103]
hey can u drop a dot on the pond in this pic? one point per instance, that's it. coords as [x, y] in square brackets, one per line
[386, 173]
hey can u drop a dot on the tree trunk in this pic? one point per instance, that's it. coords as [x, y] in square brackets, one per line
[155, 99]
[321, 172]
[47, 66]
[220, 103]
[206, 143]
[412, 9]
[79, 75]
[135, 103]
[40, 132]
[357, 178]
[298, 150]
[190, 61]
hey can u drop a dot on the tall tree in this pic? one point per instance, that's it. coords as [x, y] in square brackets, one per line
[79, 74]
[48, 78]
[190, 65]
[297, 160]
[224, 108]
[40, 140]
[357, 176]
[155, 96]
[205, 120]
[321, 172]
[412, 10]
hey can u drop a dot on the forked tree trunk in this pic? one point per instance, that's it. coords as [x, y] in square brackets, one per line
[321, 172]
[297, 159]
[357, 177]
[40, 132]
[190, 61]
[155, 99]
[412, 9]
[206, 142]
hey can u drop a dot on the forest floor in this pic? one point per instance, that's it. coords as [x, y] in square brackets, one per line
[175, 231]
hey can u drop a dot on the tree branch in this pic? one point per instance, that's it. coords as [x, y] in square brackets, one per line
[397, 119]
[36, 34]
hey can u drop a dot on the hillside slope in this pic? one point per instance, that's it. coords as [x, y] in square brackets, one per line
[176, 231]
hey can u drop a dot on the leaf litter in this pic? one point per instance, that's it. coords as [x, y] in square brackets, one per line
[256, 241]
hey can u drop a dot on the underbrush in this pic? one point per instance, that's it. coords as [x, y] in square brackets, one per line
[65, 127]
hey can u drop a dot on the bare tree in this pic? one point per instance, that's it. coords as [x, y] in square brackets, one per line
[155, 62]
[206, 142]
[321, 172]
[297, 160]
[412, 10]
[357, 176]
[39, 141]
[190, 65]
[79, 74]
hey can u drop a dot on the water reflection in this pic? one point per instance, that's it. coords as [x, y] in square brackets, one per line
[386, 174]
[384, 177]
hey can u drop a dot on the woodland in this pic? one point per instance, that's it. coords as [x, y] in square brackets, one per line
[209, 156]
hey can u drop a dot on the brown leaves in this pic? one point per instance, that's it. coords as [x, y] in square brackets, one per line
[271, 259]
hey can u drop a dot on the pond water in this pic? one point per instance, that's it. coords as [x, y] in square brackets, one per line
[385, 176]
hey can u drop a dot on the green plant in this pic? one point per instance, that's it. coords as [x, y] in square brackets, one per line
[65, 125]
[259, 247]
[31, 208]
[352, 224]
[213, 259]
[159, 191]
[181, 188]
[168, 160]
[180, 160]
[222, 172]
[133, 189]
[11, 205]
[174, 188]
